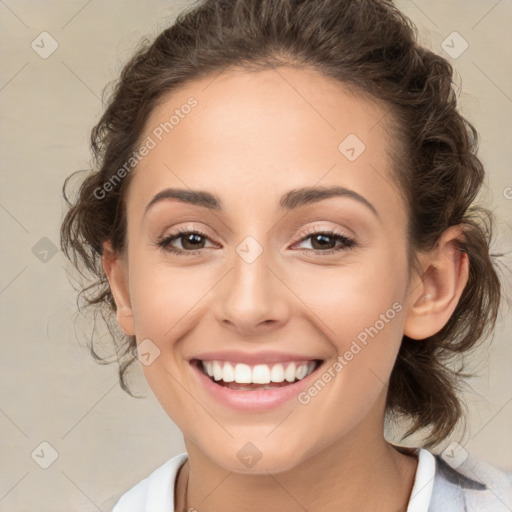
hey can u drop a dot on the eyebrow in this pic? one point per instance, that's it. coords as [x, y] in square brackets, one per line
[292, 199]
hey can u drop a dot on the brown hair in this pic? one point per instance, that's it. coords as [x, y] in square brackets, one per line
[370, 47]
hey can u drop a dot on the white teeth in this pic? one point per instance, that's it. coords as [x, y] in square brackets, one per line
[277, 373]
[301, 371]
[290, 373]
[217, 370]
[228, 374]
[208, 366]
[261, 374]
[258, 374]
[243, 374]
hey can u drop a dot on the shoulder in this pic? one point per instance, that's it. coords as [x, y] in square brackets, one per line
[154, 492]
[466, 483]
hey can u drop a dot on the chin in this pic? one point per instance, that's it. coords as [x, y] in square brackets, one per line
[259, 457]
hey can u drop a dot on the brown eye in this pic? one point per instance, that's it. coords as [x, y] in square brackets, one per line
[328, 241]
[191, 242]
[321, 241]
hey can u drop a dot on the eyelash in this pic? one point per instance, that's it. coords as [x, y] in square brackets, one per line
[165, 242]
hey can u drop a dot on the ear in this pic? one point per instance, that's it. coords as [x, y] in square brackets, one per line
[116, 270]
[435, 295]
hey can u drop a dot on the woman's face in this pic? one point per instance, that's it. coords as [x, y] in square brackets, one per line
[301, 259]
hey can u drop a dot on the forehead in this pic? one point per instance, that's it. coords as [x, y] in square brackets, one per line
[275, 130]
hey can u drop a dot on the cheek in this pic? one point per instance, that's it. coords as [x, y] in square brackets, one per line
[359, 310]
[350, 298]
[167, 304]
[163, 295]
[360, 315]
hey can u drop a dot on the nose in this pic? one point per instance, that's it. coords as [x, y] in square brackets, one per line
[253, 298]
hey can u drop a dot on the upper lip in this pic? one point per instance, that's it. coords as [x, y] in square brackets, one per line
[253, 358]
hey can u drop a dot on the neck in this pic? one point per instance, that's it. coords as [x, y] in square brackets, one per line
[360, 472]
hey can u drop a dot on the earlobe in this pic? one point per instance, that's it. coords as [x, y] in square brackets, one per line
[124, 317]
[434, 300]
[115, 269]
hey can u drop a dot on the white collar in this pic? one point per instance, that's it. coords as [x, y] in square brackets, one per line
[423, 482]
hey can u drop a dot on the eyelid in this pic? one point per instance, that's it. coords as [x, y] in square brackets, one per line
[188, 227]
[179, 232]
[316, 229]
[347, 242]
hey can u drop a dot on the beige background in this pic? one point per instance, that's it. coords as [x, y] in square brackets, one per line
[52, 391]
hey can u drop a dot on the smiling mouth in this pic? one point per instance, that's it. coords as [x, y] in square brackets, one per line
[246, 377]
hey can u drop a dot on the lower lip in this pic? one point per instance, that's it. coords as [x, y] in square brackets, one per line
[253, 400]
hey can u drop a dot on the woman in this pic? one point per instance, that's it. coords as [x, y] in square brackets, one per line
[282, 221]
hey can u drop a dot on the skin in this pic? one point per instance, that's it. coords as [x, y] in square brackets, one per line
[251, 138]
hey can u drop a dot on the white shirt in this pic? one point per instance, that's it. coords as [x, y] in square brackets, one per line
[155, 493]
[423, 482]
